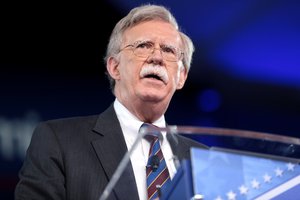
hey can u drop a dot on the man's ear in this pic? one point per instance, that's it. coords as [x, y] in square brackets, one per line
[112, 66]
[182, 77]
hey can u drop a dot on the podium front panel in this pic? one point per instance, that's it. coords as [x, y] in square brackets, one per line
[222, 175]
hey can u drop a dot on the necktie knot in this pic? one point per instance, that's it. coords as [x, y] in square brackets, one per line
[152, 132]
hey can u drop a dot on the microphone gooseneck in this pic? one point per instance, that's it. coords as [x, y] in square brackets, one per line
[125, 160]
[121, 167]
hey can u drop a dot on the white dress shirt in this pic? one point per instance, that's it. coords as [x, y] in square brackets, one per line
[130, 126]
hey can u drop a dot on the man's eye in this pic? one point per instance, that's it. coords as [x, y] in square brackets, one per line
[170, 50]
[145, 45]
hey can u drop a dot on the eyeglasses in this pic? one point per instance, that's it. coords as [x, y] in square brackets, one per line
[144, 49]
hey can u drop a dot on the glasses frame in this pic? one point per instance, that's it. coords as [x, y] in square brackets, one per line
[134, 46]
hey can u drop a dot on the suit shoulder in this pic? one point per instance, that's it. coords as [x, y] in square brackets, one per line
[72, 120]
[72, 123]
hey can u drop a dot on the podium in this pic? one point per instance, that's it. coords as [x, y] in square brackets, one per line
[239, 165]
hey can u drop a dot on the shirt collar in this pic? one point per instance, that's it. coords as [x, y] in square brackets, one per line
[131, 122]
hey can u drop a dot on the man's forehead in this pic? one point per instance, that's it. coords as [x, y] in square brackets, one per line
[155, 31]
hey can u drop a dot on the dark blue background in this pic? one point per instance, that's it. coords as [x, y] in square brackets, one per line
[245, 73]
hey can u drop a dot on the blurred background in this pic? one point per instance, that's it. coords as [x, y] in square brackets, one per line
[245, 72]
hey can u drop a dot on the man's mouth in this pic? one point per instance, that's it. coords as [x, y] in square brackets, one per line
[154, 76]
[155, 72]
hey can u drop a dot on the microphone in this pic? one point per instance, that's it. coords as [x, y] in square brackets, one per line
[153, 163]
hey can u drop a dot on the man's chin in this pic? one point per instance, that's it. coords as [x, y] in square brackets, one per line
[153, 92]
[154, 96]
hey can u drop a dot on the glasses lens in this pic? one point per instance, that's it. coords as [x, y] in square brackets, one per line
[169, 53]
[145, 49]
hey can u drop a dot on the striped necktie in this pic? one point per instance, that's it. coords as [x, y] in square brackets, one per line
[158, 177]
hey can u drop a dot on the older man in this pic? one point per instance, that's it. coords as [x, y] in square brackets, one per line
[147, 60]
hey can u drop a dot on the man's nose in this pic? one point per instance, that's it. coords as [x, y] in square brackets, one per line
[157, 52]
[156, 56]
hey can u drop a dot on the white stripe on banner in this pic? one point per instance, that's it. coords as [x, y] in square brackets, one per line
[280, 189]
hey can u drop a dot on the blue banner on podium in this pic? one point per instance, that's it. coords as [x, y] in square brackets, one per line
[220, 175]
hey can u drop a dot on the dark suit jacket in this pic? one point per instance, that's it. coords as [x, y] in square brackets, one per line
[75, 158]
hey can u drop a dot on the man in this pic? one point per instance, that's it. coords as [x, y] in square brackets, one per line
[147, 60]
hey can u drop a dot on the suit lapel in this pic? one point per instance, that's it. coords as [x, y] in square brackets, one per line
[110, 149]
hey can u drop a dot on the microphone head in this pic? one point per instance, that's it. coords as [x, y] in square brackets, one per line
[154, 162]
